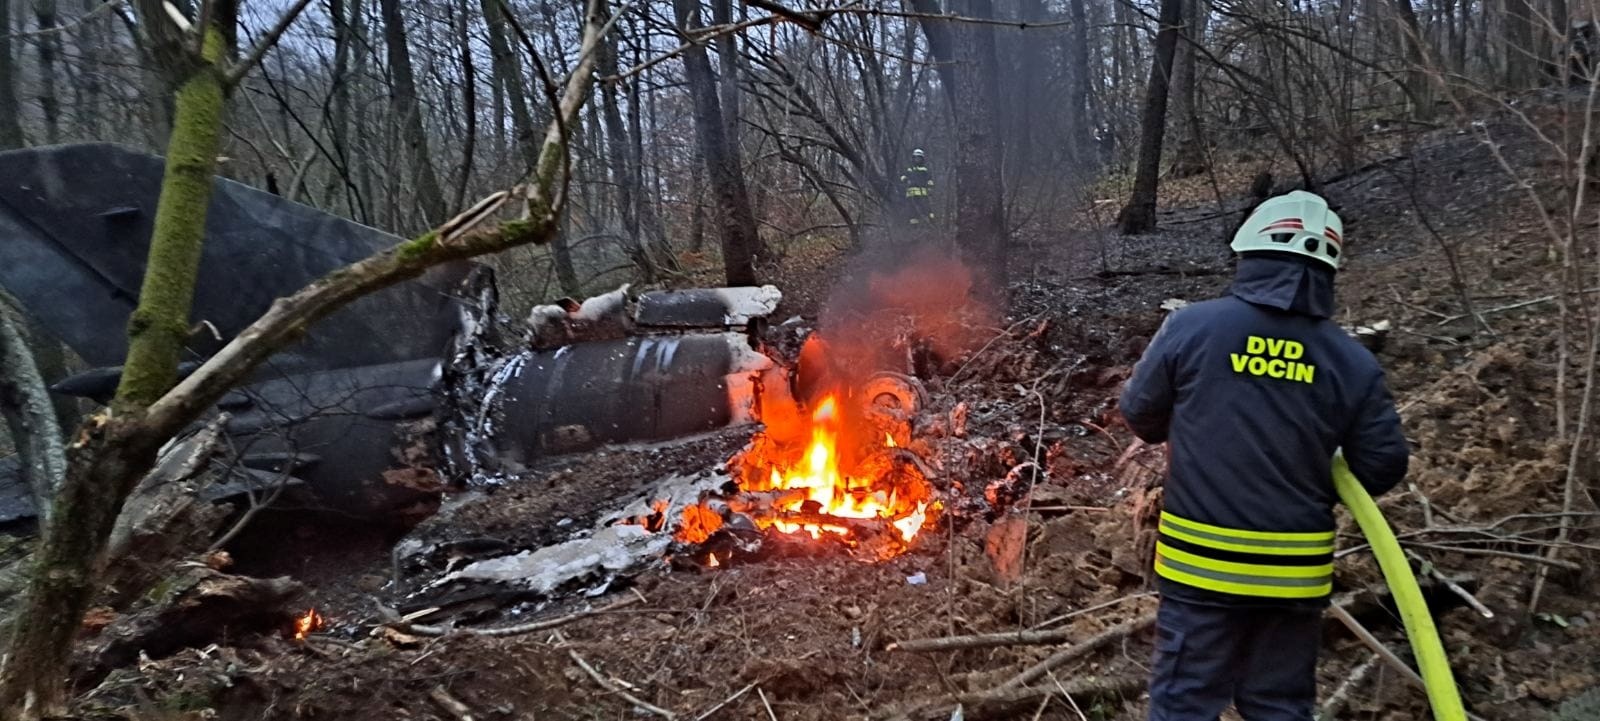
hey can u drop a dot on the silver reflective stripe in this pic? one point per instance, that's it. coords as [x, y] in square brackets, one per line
[1245, 578]
[1317, 546]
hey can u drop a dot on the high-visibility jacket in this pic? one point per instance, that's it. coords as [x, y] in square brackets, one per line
[917, 181]
[1254, 392]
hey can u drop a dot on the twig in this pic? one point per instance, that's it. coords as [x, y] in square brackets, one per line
[1061, 509]
[1377, 646]
[1091, 609]
[1006, 638]
[994, 702]
[609, 686]
[1454, 587]
[1068, 695]
[266, 43]
[1558, 563]
[530, 627]
[724, 702]
[450, 703]
[1513, 306]
[1341, 695]
[765, 705]
[1034, 672]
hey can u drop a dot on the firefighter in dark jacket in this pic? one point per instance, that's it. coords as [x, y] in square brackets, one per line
[918, 184]
[1254, 393]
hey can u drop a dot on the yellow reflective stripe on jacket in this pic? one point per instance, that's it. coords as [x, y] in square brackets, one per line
[916, 192]
[1222, 583]
[1239, 533]
[1323, 571]
[1268, 564]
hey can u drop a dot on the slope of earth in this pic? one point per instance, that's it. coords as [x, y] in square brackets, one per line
[813, 638]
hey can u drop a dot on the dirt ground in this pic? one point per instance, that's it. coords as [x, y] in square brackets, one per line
[808, 638]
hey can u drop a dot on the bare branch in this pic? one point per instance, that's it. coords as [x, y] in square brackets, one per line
[236, 73]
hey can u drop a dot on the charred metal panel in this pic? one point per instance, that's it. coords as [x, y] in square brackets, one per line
[329, 415]
[706, 307]
[75, 223]
[642, 388]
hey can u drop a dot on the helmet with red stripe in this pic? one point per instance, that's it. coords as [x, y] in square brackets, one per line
[1297, 222]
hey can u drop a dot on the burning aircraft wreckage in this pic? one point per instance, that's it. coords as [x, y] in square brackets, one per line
[427, 388]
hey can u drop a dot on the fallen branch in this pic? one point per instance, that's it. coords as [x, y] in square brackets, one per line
[1006, 638]
[609, 686]
[1003, 703]
[1513, 306]
[530, 627]
[1529, 558]
[1341, 696]
[1378, 647]
[1382, 652]
[770, 715]
[1038, 670]
[450, 703]
[1454, 587]
[735, 697]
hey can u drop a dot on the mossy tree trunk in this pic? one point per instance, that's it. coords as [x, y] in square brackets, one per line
[100, 474]
[115, 448]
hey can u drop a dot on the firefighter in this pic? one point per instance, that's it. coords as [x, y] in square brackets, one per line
[1254, 393]
[918, 184]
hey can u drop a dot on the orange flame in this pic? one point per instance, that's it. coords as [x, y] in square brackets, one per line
[834, 492]
[888, 440]
[308, 623]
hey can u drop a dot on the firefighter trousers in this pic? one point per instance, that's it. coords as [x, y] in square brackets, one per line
[1261, 660]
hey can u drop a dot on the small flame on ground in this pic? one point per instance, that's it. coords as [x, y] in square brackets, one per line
[712, 561]
[888, 440]
[308, 623]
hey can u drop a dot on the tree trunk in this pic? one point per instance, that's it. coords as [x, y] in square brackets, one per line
[1139, 215]
[430, 197]
[102, 471]
[1519, 50]
[469, 108]
[624, 175]
[30, 417]
[728, 78]
[508, 70]
[10, 122]
[736, 222]
[972, 88]
[1079, 132]
[113, 451]
[1554, 55]
[1190, 158]
[1418, 87]
[49, 44]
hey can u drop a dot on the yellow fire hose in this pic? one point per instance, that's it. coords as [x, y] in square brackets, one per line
[1443, 695]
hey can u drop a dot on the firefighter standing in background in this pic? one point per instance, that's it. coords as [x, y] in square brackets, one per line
[1254, 393]
[918, 183]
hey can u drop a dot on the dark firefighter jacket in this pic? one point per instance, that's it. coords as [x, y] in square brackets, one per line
[918, 182]
[1254, 393]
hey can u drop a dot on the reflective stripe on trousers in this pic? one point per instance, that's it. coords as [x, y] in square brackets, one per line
[1242, 562]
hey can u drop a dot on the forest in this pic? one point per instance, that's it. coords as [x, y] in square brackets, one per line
[596, 359]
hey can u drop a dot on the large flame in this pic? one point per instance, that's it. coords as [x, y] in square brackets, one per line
[834, 492]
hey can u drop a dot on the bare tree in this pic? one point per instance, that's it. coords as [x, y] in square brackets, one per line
[735, 220]
[1190, 157]
[430, 197]
[1139, 215]
[10, 121]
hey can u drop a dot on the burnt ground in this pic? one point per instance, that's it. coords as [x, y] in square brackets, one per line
[810, 637]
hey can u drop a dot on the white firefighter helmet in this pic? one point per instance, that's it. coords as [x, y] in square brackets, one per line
[917, 153]
[1297, 222]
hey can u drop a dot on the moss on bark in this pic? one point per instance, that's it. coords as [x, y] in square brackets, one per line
[159, 326]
